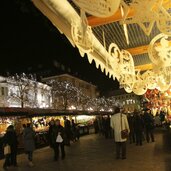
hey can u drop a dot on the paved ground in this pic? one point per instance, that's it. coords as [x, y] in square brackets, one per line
[95, 153]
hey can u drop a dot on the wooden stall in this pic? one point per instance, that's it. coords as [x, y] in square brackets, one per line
[40, 119]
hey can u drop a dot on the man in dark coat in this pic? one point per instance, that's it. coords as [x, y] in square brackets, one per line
[107, 128]
[68, 132]
[149, 125]
[138, 127]
[131, 119]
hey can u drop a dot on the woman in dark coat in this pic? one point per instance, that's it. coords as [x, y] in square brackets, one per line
[51, 138]
[56, 130]
[10, 138]
[29, 142]
[138, 127]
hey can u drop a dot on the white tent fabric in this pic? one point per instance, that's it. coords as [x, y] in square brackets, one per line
[62, 15]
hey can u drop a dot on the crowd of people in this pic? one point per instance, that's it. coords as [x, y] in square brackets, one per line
[139, 125]
[58, 137]
[10, 139]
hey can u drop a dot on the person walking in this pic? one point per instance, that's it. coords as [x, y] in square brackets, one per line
[107, 127]
[138, 127]
[119, 122]
[51, 137]
[149, 125]
[68, 132]
[59, 131]
[96, 126]
[131, 120]
[74, 131]
[10, 138]
[52, 134]
[29, 143]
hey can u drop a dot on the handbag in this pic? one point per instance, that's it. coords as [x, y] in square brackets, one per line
[7, 150]
[59, 139]
[124, 132]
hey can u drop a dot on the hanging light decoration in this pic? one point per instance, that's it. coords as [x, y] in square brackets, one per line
[157, 11]
[82, 35]
[119, 63]
[140, 86]
[123, 63]
[164, 79]
[159, 51]
[150, 78]
[164, 21]
[99, 8]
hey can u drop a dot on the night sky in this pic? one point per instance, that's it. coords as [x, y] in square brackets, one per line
[30, 44]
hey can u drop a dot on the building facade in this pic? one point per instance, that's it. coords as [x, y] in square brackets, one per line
[25, 93]
[129, 101]
[87, 88]
[64, 97]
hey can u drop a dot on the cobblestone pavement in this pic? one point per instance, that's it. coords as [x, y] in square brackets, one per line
[95, 153]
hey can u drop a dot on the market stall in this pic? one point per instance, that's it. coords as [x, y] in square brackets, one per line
[40, 119]
[18, 122]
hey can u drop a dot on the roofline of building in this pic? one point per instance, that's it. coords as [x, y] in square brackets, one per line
[61, 75]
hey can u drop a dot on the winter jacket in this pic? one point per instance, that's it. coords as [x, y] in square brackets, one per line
[115, 123]
[29, 139]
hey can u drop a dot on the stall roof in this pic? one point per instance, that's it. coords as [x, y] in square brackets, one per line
[35, 112]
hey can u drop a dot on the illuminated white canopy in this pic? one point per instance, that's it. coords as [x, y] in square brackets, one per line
[116, 62]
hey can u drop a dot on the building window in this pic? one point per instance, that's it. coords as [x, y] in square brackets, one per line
[2, 91]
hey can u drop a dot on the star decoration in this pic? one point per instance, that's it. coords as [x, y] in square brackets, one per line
[164, 21]
[147, 12]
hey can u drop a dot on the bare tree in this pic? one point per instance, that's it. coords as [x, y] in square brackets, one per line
[63, 93]
[101, 104]
[46, 96]
[22, 89]
[98, 104]
[84, 99]
[112, 103]
[92, 104]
